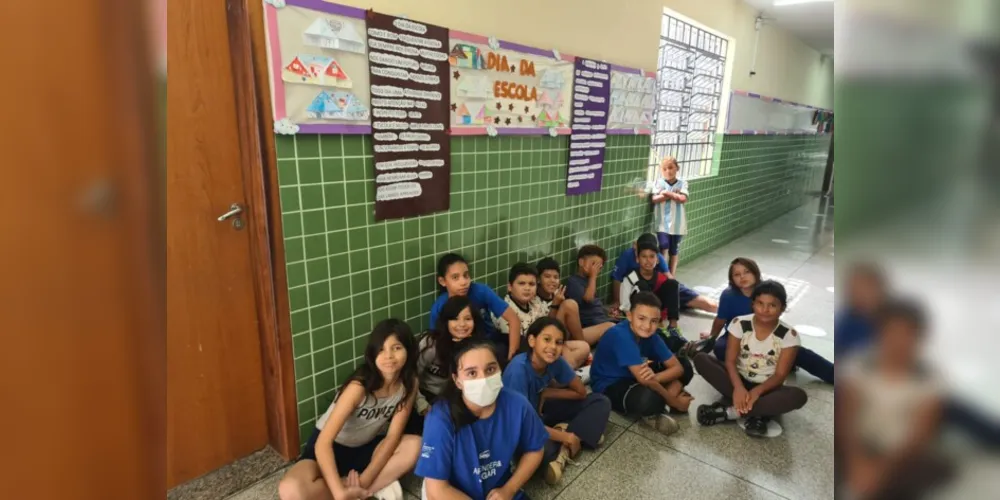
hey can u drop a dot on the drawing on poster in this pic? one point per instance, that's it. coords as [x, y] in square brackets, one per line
[475, 87]
[316, 70]
[337, 106]
[520, 89]
[410, 86]
[591, 101]
[633, 101]
[334, 34]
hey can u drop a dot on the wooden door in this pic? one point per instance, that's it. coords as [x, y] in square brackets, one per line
[215, 390]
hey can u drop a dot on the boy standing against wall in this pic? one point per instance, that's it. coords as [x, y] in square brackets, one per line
[670, 193]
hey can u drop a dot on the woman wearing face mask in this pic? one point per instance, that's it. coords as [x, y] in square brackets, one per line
[476, 429]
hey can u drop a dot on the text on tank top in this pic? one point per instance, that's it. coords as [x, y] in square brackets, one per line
[368, 420]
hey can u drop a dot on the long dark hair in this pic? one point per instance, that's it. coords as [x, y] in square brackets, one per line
[751, 266]
[368, 374]
[447, 260]
[439, 338]
[452, 395]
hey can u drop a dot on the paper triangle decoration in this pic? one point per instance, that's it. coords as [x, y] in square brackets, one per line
[316, 70]
[474, 87]
[552, 79]
[333, 34]
[337, 106]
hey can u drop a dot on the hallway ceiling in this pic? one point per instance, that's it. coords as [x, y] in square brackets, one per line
[810, 22]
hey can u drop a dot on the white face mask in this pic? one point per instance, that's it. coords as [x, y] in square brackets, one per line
[482, 391]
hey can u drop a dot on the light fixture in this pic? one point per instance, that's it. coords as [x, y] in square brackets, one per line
[783, 3]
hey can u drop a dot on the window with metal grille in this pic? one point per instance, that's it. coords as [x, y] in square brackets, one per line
[690, 76]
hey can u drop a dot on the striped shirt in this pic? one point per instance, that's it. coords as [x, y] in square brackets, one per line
[670, 216]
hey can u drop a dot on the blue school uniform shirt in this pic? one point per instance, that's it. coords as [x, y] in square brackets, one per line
[483, 298]
[852, 331]
[619, 350]
[733, 303]
[476, 458]
[521, 377]
[626, 263]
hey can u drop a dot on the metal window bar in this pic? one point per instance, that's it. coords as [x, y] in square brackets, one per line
[691, 67]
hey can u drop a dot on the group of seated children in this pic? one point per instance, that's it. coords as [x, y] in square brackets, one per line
[487, 396]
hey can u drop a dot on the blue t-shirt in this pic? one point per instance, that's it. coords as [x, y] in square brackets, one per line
[521, 377]
[482, 297]
[476, 459]
[591, 313]
[852, 331]
[733, 303]
[620, 349]
[626, 263]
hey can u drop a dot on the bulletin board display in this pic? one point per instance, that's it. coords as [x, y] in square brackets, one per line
[505, 88]
[633, 101]
[754, 114]
[318, 67]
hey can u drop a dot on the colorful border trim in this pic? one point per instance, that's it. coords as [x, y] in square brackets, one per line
[775, 99]
[329, 8]
[278, 85]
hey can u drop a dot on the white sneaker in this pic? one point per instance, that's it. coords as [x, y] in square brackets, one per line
[392, 492]
[663, 423]
[584, 374]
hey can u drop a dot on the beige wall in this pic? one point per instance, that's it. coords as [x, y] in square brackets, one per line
[627, 32]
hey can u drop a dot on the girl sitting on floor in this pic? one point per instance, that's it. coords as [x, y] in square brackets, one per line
[453, 278]
[759, 357]
[571, 416]
[744, 274]
[476, 429]
[456, 322]
[350, 455]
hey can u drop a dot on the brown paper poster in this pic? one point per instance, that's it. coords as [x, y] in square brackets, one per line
[408, 65]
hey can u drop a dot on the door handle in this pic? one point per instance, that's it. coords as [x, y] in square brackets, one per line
[234, 209]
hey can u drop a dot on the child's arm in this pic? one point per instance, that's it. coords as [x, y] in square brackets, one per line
[575, 391]
[439, 489]
[717, 325]
[391, 441]
[786, 361]
[645, 376]
[349, 399]
[591, 291]
[674, 371]
[514, 334]
[740, 395]
[526, 467]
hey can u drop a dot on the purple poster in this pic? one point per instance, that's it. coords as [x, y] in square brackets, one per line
[591, 96]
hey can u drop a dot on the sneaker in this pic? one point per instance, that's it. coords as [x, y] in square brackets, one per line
[584, 373]
[711, 414]
[392, 492]
[756, 426]
[554, 471]
[674, 331]
[706, 346]
[600, 441]
[663, 423]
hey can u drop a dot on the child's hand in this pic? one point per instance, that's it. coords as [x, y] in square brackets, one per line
[646, 373]
[499, 494]
[740, 396]
[559, 296]
[573, 442]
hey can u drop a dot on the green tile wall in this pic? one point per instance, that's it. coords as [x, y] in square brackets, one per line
[507, 205]
[759, 178]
